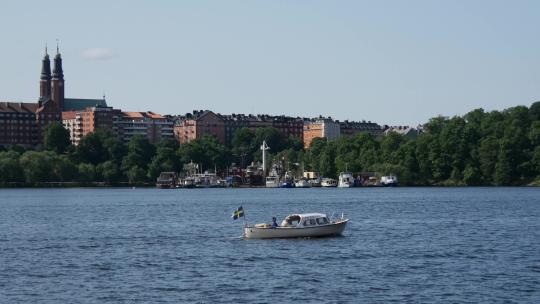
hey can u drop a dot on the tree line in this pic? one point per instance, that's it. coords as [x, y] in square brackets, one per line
[478, 148]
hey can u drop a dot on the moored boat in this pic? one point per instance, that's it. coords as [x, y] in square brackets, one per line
[315, 182]
[188, 182]
[389, 181]
[302, 183]
[272, 181]
[298, 225]
[328, 182]
[167, 180]
[345, 180]
[287, 181]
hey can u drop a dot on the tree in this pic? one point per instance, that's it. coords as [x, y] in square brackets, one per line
[10, 169]
[56, 137]
[166, 159]
[534, 111]
[314, 152]
[38, 166]
[87, 173]
[91, 148]
[206, 151]
[136, 174]
[140, 152]
[64, 169]
[109, 171]
[504, 169]
[471, 176]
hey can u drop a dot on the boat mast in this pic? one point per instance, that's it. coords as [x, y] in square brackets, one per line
[264, 147]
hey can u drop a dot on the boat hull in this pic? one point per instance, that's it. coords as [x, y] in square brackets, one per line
[272, 185]
[293, 232]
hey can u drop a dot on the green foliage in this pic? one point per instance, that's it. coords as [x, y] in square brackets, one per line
[245, 144]
[18, 148]
[471, 176]
[109, 171]
[92, 148]
[47, 166]
[140, 151]
[39, 166]
[65, 169]
[206, 151]
[10, 169]
[87, 173]
[136, 174]
[165, 160]
[56, 137]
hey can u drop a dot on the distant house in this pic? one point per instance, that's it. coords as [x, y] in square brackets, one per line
[320, 128]
[153, 126]
[198, 124]
[402, 130]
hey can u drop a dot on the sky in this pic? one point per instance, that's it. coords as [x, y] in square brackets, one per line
[391, 62]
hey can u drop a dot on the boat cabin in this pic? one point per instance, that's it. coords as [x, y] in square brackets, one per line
[305, 220]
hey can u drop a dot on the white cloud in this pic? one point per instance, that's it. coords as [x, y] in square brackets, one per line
[98, 54]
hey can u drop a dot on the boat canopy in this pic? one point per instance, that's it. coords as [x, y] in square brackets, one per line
[305, 220]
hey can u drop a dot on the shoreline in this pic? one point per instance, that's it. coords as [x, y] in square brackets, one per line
[68, 185]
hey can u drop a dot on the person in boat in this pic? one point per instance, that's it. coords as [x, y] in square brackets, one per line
[274, 223]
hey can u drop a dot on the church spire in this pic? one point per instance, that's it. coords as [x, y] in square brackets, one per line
[46, 66]
[57, 84]
[45, 79]
[58, 73]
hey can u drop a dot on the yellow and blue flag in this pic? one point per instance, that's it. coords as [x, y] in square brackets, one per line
[238, 213]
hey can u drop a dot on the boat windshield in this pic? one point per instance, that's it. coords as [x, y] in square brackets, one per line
[322, 221]
[291, 221]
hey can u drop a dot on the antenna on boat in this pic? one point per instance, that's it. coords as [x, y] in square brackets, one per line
[264, 147]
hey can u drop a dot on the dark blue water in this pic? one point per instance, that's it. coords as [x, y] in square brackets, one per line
[461, 245]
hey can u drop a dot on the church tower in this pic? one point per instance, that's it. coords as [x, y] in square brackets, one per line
[57, 85]
[45, 80]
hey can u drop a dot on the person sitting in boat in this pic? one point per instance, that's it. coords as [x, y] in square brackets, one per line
[274, 223]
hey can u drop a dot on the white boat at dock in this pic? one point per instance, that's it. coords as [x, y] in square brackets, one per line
[302, 183]
[346, 180]
[298, 225]
[315, 182]
[389, 181]
[272, 181]
[329, 182]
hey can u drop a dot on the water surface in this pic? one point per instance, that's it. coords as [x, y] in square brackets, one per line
[461, 245]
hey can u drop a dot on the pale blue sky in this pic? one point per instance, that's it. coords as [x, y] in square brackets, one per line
[392, 62]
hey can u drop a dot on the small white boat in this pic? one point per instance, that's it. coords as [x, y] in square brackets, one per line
[389, 181]
[206, 180]
[328, 182]
[272, 181]
[346, 180]
[298, 225]
[188, 182]
[302, 183]
[316, 182]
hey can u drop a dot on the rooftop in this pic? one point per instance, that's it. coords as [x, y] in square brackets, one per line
[79, 104]
[18, 107]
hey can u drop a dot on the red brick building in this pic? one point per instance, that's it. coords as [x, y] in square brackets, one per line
[23, 123]
[199, 124]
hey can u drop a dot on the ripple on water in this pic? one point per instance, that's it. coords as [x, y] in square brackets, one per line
[145, 245]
